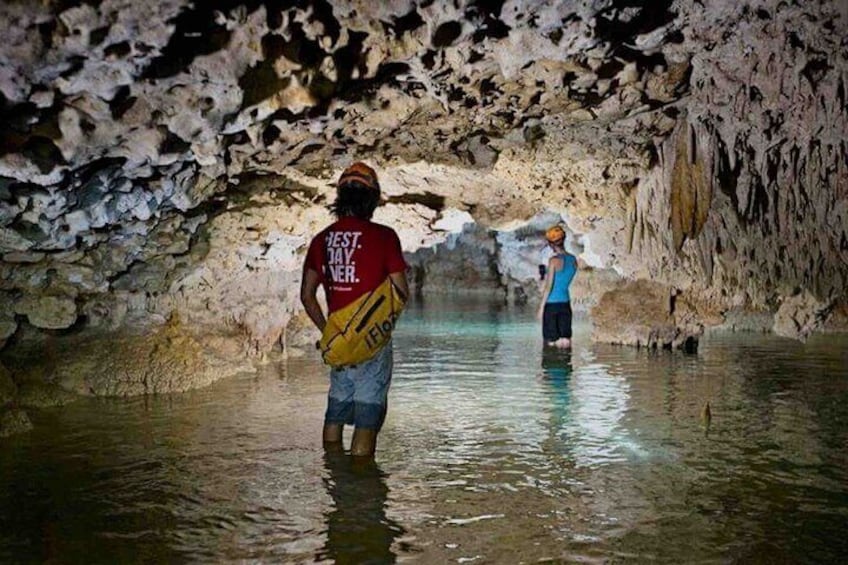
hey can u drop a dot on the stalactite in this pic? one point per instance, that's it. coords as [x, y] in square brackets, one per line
[690, 191]
[128, 164]
[631, 219]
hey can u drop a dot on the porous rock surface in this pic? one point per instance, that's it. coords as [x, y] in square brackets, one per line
[8, 389]
[503, 263]
[13, 421]
[646, 314]
[158, 359]
[800, 315]
[175, 157]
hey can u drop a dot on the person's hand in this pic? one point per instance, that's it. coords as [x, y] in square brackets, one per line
[540, 314]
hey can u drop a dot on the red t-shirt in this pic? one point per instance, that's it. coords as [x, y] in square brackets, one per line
[360, 253]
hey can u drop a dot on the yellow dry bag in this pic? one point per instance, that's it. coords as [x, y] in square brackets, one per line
[356, 333]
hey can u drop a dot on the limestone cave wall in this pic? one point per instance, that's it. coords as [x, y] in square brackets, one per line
[170, 160]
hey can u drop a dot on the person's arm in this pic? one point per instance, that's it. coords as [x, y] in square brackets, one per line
[396, 265]
[309, 298]
[549, 283]
[399, 280]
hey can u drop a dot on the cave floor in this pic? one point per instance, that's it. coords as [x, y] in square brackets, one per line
[492, 452]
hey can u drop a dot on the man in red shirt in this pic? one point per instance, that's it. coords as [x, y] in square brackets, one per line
[350, 258]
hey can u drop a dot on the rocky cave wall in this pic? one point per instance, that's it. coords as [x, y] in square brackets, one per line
[169, 161]
[503, 264]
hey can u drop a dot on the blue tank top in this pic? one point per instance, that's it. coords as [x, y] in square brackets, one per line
[562, 279]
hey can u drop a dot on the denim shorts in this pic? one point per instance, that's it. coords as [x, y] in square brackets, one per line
[359, 394]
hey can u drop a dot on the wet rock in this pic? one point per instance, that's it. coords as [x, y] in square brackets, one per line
[478, 151]
[466, 263]
[166, 359]
[33, 394]
[48, 312]
[8, 389]
[264, 326]
[8, 323]
[23, 257]
[11, 240]
[642, 314]
[77, 221]
[8, 327]
[13, 421]
[838, 320]
[800, 315]
[747, 320]
[189, 190]
[590, 285]
[701, 147]
[691, 191]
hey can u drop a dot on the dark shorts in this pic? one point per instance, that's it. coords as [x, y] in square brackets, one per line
[359, 395]
[556, 321]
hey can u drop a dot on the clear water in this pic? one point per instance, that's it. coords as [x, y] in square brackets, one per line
[492, 453]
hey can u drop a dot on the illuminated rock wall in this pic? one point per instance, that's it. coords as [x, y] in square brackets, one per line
[168, 158]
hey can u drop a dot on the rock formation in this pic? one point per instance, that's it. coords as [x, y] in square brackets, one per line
[503, 264]
[13, 420]
[162, 158]
[801, 315]
[648, 314]
[8, 389]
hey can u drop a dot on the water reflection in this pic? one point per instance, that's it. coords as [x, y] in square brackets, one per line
[494, 450]
[556, 378]
[587, 406]
[556, 374]
[358, 529]
[557, 365]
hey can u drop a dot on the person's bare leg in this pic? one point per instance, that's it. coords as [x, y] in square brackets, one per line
[563, 343]
[333, 437]
[364, 442]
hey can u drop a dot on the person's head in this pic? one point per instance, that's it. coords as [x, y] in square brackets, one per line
[555, 236]
[357, 193]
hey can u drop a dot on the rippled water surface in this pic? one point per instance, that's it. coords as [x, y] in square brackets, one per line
[492, 452]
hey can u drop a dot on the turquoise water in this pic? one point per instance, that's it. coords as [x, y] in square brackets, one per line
[493, 452]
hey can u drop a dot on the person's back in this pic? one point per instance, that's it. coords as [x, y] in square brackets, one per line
[555, 307]
[565, 267]
[350, 258]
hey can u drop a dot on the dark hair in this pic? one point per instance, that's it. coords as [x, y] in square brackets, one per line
[355, 199]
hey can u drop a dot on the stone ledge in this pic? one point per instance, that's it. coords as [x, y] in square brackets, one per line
[13, 421]
[154, 360]
[643, 314]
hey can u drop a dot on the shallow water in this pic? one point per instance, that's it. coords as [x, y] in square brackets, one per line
[492, 453]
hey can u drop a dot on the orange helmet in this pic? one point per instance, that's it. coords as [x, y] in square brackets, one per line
[555, 234]
[361, 173]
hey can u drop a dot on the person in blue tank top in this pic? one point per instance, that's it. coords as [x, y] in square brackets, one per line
[555, 309]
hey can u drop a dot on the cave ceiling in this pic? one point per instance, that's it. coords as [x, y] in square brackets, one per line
[699, 142]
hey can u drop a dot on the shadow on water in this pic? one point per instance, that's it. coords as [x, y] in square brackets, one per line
[358, 529]
[50, 514]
